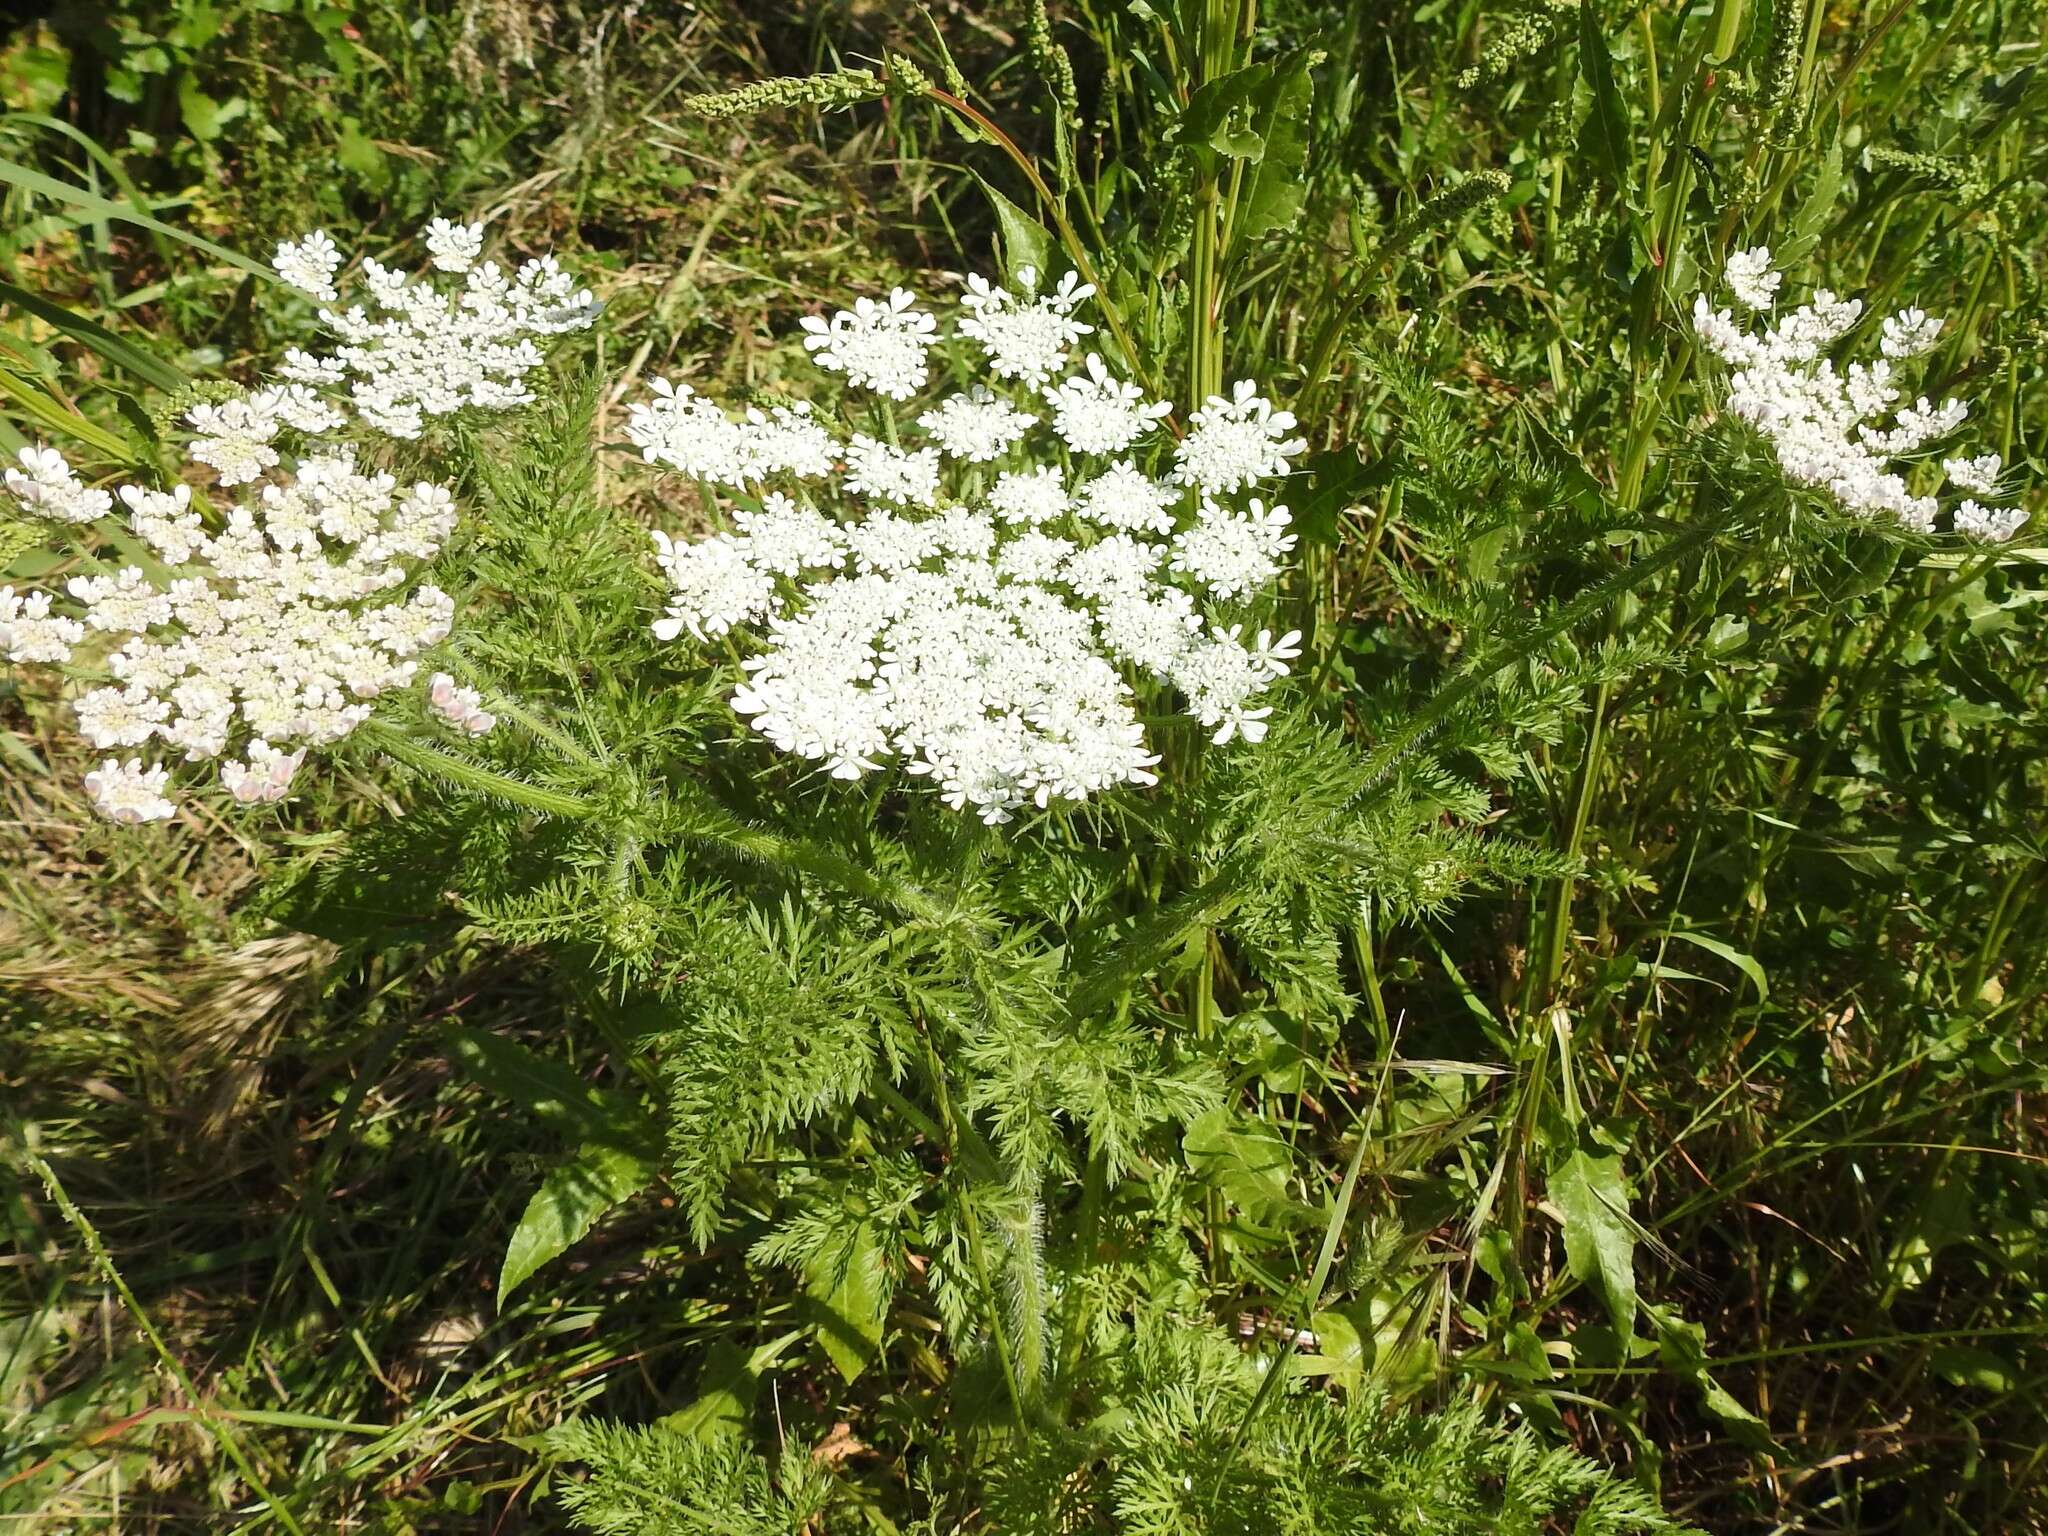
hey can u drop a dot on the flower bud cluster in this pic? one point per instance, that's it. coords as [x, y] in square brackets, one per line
[971, 592]
[1842, 431]
[461, 707]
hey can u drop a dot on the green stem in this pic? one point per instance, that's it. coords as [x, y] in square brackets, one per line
[104, 1262]
[395, 744]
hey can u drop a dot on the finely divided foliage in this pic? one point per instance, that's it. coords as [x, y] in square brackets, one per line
[940, 916]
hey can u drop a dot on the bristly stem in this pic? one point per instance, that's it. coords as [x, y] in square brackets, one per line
[394, 743]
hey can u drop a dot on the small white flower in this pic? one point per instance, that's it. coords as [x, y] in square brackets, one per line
[876, 345]
[129, 793]
[1233, 554]
[1097, 412]
[1029, 496]
[889, 474]
[977, 426]
[1025, 338]
[235, 437]
[454, 247]
[1751, 279]
[1909, 333]
[46, 486]
[1979, 474]
[1993, 525]
[1123, 496]
[309, 265]
[29, 632]
[265, 778]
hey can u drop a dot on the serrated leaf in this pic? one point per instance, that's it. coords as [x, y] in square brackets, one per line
[850, 1289]
[1802, 234]
[1273, 193]
[1599, 1245]
[1604, 140]
[567, 1204]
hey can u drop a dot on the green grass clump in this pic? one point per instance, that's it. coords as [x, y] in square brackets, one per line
[1581, 1072]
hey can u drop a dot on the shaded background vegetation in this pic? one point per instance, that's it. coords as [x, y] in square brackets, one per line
[1797, 979]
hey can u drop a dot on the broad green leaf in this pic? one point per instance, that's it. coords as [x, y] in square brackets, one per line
[358, 152]
[850, 1286]
[1968, 1366]
[549, 1092]
[1245, 1160]
[567, 1205]
[1024, 240]
[1222, 117]
[1682, 1349]
[727, 1387]
[1605, 138]
[1341, 1351]
[205, 116]
[1272, 194]
[1599, 1246]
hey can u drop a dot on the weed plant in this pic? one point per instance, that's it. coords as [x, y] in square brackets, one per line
[1578, 1070]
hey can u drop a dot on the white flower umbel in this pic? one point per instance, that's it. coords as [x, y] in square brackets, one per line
[1827, 426]
[309, 264]
[1751, 279]
[977, 611]
[879, 344]
[1026, 338]
[29, 632]
[1096, 412]
[128, 792]
[976, 426]
[419, 349]
[274, 627]
[453, 247]
[1236, 442]
[44, 485]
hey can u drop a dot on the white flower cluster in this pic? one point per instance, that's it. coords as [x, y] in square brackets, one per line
[461, 707]
[1827, 427]
[421, 349]
[958, 596]
[46, 486]
[275, 624]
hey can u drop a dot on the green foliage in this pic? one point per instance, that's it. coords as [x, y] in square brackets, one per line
[1608, 1002]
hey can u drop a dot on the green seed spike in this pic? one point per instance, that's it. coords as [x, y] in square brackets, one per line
[1448, 207]
[842, 88]
[1520, 36]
